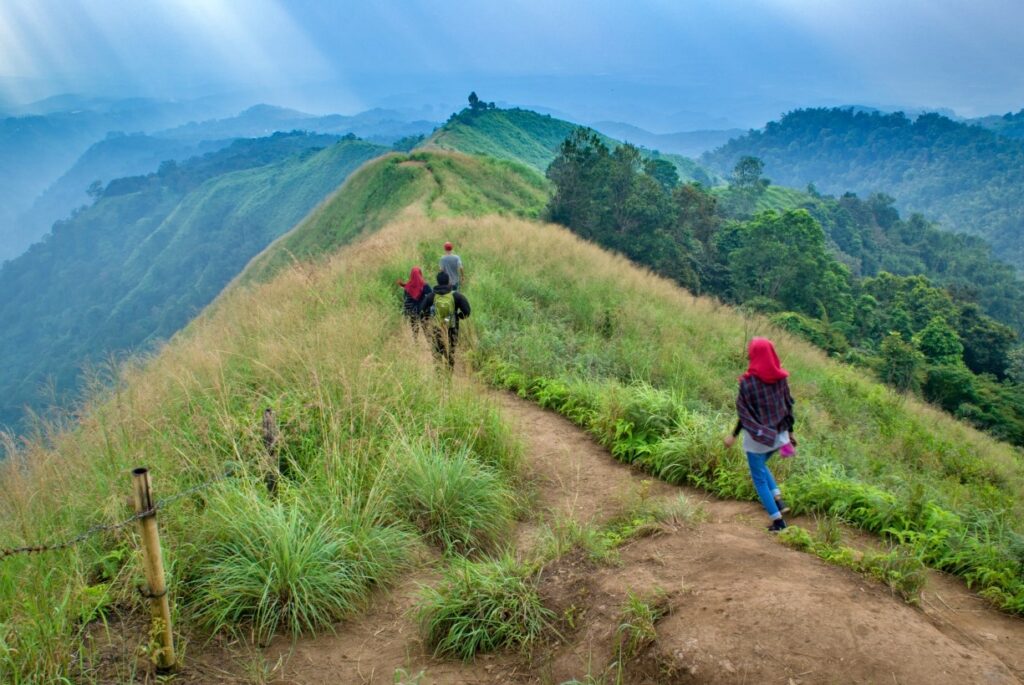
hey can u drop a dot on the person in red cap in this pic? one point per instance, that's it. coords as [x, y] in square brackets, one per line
[765, 408]
[451, 264]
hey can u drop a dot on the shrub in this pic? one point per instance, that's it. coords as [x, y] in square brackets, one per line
[483, 606]
[457, 502]
[276, 566]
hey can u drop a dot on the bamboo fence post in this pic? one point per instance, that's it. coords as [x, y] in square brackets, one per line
[152, 561]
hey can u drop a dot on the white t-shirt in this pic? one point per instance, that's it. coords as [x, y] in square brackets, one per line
[751, 445]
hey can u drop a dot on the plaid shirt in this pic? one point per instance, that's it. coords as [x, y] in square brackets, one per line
[765, 409]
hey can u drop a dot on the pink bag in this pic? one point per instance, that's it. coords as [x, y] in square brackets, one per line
[787, 450]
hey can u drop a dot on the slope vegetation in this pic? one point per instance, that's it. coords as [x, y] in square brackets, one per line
[150, 253]
[529, 138]
[969, 178]
[116, 156]
[373, 440]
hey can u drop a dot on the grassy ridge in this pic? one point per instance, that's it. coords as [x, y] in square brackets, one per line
[530, 138]
[386, 186]
[649, 369]
[327, 349]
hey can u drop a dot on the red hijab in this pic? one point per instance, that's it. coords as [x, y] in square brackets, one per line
[414, 288]
[764, 362]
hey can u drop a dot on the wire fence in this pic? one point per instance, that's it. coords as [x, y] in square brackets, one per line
[108, 527]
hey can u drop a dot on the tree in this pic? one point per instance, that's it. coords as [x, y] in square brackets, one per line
[1015, 365]
[95, 189]
[747, 173]
[476, 105]
[902, 364]
[986, 342]
[940, 343]
[784, 257]
[662, 171]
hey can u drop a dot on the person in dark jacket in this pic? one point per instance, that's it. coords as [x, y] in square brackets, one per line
[416, 290]
[765, 408]
[442, 310]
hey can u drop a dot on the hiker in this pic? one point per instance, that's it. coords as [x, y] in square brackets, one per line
[416, 289]
[451, 264]
[444, 308]
[765, 408]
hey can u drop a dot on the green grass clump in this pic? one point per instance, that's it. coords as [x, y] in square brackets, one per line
[637, 629]
[483, 606]
[899, 569]
[457, 502]
[271, 564]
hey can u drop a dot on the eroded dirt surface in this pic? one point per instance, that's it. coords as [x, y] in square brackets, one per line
[743, 608]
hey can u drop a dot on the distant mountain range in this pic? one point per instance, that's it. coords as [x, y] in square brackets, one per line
[686, 143]
[54, 149]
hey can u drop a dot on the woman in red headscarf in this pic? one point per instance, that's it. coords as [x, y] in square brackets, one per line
[765, 408]
[416, 290]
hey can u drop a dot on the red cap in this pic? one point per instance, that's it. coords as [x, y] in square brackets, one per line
[447, 247]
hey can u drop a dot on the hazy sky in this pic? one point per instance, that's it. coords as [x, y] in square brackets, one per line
[659, 63]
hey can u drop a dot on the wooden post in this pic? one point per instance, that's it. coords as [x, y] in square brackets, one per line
[152, 560]
[270, 444]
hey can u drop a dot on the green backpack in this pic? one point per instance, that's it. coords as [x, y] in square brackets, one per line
[444, 310]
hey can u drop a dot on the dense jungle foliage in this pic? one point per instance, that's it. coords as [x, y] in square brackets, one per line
[969, 178]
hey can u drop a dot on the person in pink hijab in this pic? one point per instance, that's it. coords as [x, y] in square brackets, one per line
[765, 408]
[416, 290]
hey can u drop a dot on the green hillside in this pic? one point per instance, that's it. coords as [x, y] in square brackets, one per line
[151, 252]
[116, 156]
[967, 177]
[372, 437]
[530, 138]
[387, 186]
[36, 150]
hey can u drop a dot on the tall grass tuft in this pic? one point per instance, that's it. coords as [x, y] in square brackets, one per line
[483, 606]
[270, 565]
[457, 502]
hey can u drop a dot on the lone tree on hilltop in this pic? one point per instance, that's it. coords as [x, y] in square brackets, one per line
[747, 173]
[477, 105]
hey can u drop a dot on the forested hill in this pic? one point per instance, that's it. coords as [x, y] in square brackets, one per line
[151, 252]
[1009, 125]
[530, 138]
[967, 177]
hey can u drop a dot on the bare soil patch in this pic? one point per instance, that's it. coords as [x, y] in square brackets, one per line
[742, 606]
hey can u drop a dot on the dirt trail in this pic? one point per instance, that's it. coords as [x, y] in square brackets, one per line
[743, 608]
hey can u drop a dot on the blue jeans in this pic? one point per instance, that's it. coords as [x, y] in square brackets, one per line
[764, 483]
